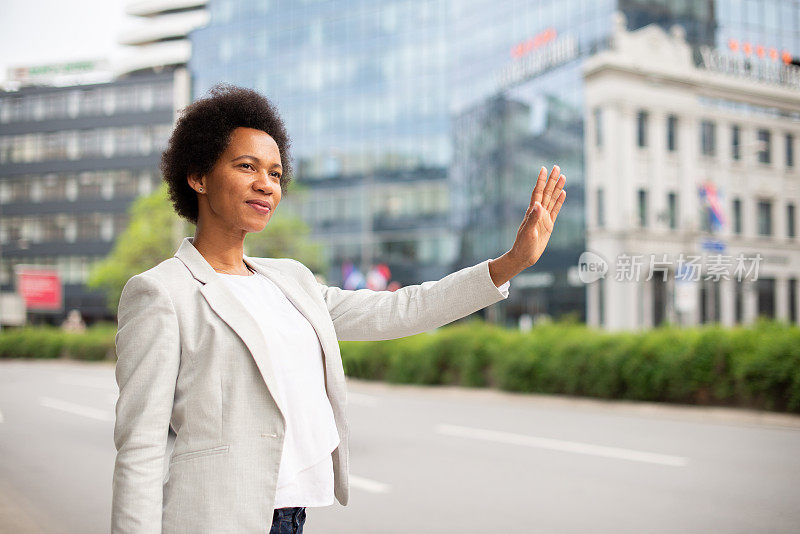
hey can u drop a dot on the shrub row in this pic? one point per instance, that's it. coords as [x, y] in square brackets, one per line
[96, 343]
[756, 366]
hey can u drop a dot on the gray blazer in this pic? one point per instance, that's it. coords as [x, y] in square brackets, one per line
[191, 357]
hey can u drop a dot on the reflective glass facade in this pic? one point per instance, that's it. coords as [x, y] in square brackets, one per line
[433, 117]
[766, 23]
[361, 85]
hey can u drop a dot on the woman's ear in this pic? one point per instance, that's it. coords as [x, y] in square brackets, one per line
[196, 182]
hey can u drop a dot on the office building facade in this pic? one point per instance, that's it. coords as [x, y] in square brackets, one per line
[80, 142]
[692, 182]
[72, 160]
[473, 95]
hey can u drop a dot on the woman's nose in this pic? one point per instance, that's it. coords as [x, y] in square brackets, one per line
[264, 182]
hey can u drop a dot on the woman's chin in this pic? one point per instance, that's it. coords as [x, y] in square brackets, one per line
[256, 227]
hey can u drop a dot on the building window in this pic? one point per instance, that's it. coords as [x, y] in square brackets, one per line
[91, 102]
[764, 217]
[600, 208]
[738, 297]
[20, 190]
[163, 95]
[90, 143]
[641, 128]
[642, 210]
[672, 133]
[792, 300]
[764, 142]
[737, 216]
[89, 226]
[121, 221]
[53, 230]
[709, 301]
[672, 210]
[89, 185]
[790, 229]
[54, 188]
[736, 148]
[124, 184]
[789, 150]
[766, 297]
[598, 127]
[659, 293]
[707, 138]
[601, 297]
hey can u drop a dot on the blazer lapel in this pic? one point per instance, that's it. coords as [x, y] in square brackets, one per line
[231, 310]
[303, 302]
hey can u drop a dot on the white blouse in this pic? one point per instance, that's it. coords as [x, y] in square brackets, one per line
[305, 476]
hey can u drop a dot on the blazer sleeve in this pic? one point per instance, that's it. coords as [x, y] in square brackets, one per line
[368, 315]
[148, 358]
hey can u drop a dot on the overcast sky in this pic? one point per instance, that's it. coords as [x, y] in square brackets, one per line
[46, 31]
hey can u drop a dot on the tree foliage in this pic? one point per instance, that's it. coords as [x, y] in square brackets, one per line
[155, 231]
[286, 236]
[148, 240]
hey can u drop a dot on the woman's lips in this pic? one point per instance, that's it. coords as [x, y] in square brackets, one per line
[258, 207]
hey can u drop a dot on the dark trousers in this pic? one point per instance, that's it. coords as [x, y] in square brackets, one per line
[288, 520]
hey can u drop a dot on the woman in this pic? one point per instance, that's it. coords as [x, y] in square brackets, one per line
[239, 355]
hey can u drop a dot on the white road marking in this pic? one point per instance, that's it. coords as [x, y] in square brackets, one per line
[76, 409]
[562, 445]
[362, 399]
[87, 381]
[372, 486]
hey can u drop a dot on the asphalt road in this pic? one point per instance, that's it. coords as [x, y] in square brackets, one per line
[440, 460]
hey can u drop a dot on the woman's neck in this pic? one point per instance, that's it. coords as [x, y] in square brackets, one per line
[222, 251]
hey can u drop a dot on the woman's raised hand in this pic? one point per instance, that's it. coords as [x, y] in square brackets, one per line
[537, 225]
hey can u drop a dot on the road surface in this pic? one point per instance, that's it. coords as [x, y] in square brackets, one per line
[428, 459]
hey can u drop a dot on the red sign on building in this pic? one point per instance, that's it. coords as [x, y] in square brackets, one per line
[40, 288]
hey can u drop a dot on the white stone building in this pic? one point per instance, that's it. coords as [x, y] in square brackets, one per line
[662, 123]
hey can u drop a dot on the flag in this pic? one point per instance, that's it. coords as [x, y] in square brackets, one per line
[710, 197]
[378, 277]
[353, 279]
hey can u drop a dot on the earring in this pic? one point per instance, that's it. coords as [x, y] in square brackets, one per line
[201, 189]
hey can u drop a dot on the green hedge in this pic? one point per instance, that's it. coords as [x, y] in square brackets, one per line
[757, 366]
[44, 342]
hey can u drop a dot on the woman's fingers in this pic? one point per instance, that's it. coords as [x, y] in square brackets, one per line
[556, 192]
[539, 189]
[550, 186]
[557, 206]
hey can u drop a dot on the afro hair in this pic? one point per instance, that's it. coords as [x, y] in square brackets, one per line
[202, 134]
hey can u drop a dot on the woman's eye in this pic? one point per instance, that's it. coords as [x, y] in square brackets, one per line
[246, 164]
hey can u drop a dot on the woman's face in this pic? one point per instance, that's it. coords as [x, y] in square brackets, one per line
[249, 170]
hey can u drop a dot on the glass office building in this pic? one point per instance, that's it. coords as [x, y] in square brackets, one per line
[421, 125]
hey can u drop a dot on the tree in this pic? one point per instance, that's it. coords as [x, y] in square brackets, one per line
[287, 236]
[147, 241]
[155, 230]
